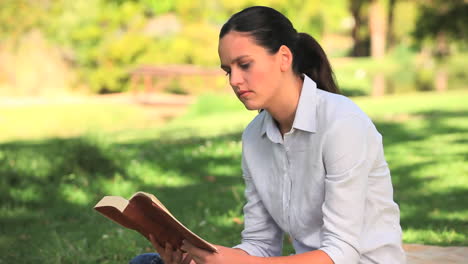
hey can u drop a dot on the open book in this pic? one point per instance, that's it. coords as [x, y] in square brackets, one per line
[144, 213]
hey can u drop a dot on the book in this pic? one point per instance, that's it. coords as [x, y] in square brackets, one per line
[144, 213]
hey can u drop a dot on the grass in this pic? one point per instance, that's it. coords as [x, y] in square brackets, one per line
[50, 180]
[61, 120]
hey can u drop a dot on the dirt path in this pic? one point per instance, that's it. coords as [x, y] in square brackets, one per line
[164, 106]
[141, 99]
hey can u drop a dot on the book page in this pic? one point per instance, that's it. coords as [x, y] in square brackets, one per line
[114, 201]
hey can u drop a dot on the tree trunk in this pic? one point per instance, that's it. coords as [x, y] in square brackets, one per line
[441, 53]
[358, 43]
[441, 80]
[391, 15]
[378, 85]
[378, 28]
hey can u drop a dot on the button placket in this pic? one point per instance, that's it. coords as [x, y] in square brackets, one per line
[287, 180]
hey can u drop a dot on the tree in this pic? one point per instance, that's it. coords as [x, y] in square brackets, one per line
[442, 21]
[438, 23]
[377, 28]
[17, 17]
[360, 39]
[373, 31]
[390, 18]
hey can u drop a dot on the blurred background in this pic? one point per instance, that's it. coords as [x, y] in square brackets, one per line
[57, 47]
[110, 97]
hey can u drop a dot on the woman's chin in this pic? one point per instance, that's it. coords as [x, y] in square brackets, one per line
[251, 106]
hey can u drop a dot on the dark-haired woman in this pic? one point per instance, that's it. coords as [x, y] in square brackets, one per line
[313, 162]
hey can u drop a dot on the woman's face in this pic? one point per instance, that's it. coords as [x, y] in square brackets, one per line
[253, 72]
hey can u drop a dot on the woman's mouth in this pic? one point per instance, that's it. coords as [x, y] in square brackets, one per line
[243, 93]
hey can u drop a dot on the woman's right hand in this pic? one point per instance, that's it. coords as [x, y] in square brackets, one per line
[169, 255]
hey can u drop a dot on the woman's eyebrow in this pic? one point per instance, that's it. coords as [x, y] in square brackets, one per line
[233, 61]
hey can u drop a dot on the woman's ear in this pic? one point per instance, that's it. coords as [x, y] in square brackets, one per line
[286, 58]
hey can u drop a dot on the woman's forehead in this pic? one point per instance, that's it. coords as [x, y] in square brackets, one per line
[236, 40]
[235, 44]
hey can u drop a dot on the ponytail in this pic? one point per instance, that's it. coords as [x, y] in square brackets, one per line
[310, 59]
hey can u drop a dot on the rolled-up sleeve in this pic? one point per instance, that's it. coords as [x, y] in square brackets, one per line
[261, 235]
[349, 151]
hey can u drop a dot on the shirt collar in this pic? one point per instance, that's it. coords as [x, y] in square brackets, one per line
[305, 118]
[270, 129]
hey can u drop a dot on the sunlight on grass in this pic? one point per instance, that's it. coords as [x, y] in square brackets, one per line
[12, 212]
[438, 214]
[74, 194]
[227, 220]
[152, 175]
[42, 121]
[443, 237]
[27, 193]
[389, 105]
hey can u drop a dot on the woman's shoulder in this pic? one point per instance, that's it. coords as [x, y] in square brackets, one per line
[335, 107]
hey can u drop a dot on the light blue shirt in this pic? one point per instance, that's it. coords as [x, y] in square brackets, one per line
[326, 183]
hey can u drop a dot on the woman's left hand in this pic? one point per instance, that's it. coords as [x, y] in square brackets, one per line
[223, 256]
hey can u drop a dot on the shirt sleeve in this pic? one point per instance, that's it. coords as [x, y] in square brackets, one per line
[349, 150]
[261, 235]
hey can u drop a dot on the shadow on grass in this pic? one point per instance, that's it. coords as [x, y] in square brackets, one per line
[49, 187]
[352, 92]
[40, 182]
[424, 209]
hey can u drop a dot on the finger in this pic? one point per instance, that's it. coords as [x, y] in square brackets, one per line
[159, 249]
[186, 246]
[176, 256]
[156, 245]
[187, 259]
[193, 250]
[198, 255]
[168, 252]
[162, 251]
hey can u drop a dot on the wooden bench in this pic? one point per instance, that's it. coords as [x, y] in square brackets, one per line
[422, 254]
[157, 78]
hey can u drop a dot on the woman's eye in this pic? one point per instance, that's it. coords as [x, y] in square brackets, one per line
[244, 66]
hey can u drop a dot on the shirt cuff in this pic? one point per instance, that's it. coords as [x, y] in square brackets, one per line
[341, 252]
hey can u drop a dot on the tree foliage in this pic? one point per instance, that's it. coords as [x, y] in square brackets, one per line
[105, 39]
[436, 16]
[19, 16]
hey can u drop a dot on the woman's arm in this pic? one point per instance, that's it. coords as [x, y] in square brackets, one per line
[349, 153]
[261, 235]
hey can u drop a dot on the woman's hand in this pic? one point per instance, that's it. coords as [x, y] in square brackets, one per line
[223, 256]
[169, 255]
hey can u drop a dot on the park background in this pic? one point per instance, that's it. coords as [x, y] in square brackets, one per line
[110, 97]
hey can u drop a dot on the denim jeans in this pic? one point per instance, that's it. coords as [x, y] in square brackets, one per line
[147, 258]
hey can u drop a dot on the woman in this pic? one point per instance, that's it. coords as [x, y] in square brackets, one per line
[313, 162]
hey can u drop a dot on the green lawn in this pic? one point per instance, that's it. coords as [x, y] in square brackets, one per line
[52, 175]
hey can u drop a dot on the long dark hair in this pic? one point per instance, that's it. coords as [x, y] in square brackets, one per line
[271, 29]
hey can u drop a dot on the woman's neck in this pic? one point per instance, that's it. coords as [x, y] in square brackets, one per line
[283, 110]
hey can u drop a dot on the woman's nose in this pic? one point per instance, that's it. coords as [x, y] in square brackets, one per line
[235, 78]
